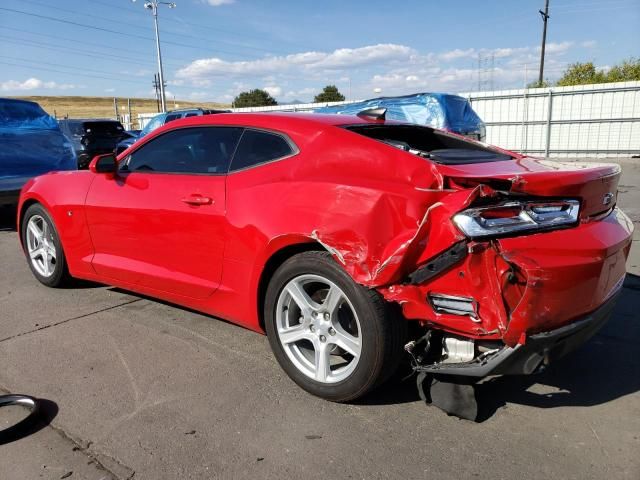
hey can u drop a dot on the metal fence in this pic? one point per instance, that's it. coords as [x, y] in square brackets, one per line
[600, 120]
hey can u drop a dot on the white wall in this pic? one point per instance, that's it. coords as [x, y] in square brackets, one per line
[600, 120]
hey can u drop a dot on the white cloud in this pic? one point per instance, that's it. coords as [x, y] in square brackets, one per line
[274, 91]
[217, 3]
[202, 69]
[589, 44]
[457, 53]
[556, 47]
[395, 69]
[304, 94]
[33, 84]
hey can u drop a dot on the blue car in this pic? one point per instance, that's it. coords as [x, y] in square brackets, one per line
[439, 110]
[160, 120]
[31, 143]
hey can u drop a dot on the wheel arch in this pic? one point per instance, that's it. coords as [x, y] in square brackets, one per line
[22, 209]
[275, 260]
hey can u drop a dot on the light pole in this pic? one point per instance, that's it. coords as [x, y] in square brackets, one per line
[545, 19]
[153, 6]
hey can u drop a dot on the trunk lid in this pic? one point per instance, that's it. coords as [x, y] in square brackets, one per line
[595, 184]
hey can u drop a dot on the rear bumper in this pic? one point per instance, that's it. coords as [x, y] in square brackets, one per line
[538, 351]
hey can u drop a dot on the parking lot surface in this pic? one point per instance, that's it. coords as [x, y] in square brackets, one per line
[137, 388]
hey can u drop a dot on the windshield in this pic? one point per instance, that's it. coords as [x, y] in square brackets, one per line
[426, 142]
[154, 123]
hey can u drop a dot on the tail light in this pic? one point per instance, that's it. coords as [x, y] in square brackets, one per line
[513, 217]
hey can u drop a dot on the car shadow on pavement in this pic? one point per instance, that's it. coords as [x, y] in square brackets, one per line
[46, 411]
[7, 219]
[604, 369]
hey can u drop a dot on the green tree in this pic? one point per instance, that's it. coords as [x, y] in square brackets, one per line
[330, 93]
[581, 74]
[254, 98]
[627, 71]
[537, 84]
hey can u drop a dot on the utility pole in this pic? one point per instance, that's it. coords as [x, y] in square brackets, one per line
[545, 18]
[153, 6]
[156, 87]
[129, 112]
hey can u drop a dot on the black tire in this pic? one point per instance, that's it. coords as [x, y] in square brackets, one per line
[382, 330]
[60, 275]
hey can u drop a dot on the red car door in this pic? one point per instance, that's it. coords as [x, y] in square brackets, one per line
[160, 222]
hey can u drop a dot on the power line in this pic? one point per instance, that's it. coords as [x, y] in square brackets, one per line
[209, 28]
[73, 68]
[75, 40]
[131, 25]
[84, 53]
[563, 6]
[90, 53]
[67, 73]
[107, 30]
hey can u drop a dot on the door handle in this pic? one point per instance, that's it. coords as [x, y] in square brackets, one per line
[197, 200]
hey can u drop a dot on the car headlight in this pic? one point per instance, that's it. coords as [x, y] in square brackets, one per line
[512, 217]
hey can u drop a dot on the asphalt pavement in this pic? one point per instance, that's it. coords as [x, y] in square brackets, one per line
[136, 388]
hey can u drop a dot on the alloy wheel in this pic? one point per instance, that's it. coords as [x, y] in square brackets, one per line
[318, 328]
[41, 246]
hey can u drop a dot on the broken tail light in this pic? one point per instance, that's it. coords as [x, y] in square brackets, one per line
[513, 217]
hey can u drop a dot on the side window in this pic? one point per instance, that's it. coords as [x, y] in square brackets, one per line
[186, 150]
[171, 117]
[191, 115]
[259, 147]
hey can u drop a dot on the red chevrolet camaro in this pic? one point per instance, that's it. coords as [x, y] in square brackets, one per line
[347, 239]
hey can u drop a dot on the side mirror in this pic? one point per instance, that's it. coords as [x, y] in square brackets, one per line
[106, 163]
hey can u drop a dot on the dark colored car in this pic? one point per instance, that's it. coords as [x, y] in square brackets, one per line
[162, 119]
[440, 110]
[31, 144]
[91, 137]
[320, 231]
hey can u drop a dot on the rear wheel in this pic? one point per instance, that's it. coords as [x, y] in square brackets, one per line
[332, 336]
[43, 248]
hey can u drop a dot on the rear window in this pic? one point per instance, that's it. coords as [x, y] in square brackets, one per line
[72, 127]
[258, 147]
[103, 129]
[426, 142]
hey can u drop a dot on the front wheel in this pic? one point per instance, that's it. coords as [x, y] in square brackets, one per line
[42, 247]
[332, 336]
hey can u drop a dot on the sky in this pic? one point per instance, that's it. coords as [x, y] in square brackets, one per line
[214, 49]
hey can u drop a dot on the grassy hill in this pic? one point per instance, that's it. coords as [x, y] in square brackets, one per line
[102, 107]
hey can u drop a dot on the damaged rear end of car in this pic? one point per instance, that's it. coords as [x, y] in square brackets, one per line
[516, 262]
